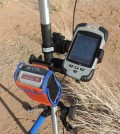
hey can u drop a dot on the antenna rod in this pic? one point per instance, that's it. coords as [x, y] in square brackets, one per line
[47, 46]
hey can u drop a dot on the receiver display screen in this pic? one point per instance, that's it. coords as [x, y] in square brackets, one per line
[84, 49]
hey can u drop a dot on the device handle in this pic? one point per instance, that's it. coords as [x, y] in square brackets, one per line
[18, 69]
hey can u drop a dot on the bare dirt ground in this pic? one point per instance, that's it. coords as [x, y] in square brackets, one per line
[20, 37]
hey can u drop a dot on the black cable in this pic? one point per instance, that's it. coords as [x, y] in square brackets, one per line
[74, 15]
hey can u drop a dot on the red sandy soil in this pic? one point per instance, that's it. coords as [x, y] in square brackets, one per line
[20, 37]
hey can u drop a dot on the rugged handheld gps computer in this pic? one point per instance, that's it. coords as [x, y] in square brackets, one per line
[85, 52]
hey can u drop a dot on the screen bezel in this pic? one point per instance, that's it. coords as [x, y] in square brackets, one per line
[89, 34]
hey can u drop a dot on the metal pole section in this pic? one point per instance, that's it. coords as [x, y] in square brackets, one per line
[54, 120]
[46, 30]
[47, 47]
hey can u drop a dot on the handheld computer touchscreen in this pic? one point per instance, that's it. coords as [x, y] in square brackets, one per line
[85, 50]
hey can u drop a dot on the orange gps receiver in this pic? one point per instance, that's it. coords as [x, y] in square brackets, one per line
[39, 83]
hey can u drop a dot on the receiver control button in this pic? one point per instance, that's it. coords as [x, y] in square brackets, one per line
[82, 69]
[75, 71]
[76, 67]
[70, 65]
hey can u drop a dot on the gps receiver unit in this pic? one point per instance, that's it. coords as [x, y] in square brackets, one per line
[85, 52]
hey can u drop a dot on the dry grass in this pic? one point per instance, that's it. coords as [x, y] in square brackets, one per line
[98, 103]
[57, 5]
[98, 106]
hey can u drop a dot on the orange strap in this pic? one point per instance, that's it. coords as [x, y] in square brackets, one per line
[37, 65]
